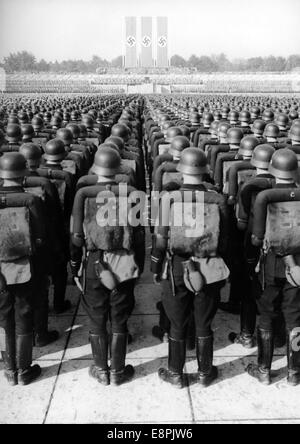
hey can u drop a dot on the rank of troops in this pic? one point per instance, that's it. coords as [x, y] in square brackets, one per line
[239, 155]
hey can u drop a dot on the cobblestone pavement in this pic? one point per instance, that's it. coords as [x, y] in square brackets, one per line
[66, 394]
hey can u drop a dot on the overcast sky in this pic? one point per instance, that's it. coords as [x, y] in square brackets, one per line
[62, 29]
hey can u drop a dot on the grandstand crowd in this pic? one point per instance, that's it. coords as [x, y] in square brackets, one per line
[178, 83]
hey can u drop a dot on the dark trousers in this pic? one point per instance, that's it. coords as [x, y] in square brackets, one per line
[41, 303]
[165, 324]
[235, 256]
[180, 307]
[102, 305]
[60, 280]
[279, 298]
[16, 309]
[251, 287]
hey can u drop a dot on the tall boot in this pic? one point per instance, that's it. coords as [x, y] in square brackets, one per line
[191, 333]
[99, 370]
[60, 280]
[205, 351]
[43, 336]
[119, 373]
[161, 331]
[26, 372]
[262, 370]
[174, 374]
[293, 357]
[9, 359]
[280, 335]
[248, 314]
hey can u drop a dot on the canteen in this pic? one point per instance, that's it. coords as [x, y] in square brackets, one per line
[192, 277]
[105, 276]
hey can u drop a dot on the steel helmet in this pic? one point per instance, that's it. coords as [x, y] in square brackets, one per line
[93, 113]
[107, 162]
[56, 122]
[258, 126]
[167, 124]
[214, 127]
[12, 119]
[126, 115]
[172, 132]
[296, 122]
[58, 113]
[294, 133]
[12, 166]
[117, 141]
[282, 120]
[271, 130]
[225, 111]
[262, 156]
[235, 136]
[268, 115]
[127, 123]
[217, 115]
[293, 114]
[164, 118]
[32, 153]
[75, 130]
[27, 131]
[192, 162]
[120, 130]
[66, 116]
[37, 123]
[178, 144]
[23, 117]
[83, 131]
[47, 116]
[223, 129]
[88, 121]
[207, 118]
[185, 131]
[109, 144]
[13, 132]
[65, 135]
[55, 150]
[99, 116]
[255, 112]
[74, 115]
[247, 145]
[233, 116]
[245, 116]
[284, 164]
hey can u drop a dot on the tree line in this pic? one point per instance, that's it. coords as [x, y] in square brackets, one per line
[220, 63]
[25, 61]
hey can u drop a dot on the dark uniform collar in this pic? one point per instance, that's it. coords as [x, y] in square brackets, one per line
[53, 166]
[14, 189]
[287, 185]
[110, 183]
[33, 174]
[265, 176]
[199, 187]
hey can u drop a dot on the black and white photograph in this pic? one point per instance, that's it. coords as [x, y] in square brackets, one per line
[149, 215]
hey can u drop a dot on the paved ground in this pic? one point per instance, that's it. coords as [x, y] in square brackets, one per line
[66, 394]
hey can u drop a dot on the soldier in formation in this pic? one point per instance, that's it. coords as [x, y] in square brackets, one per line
[230, 163]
